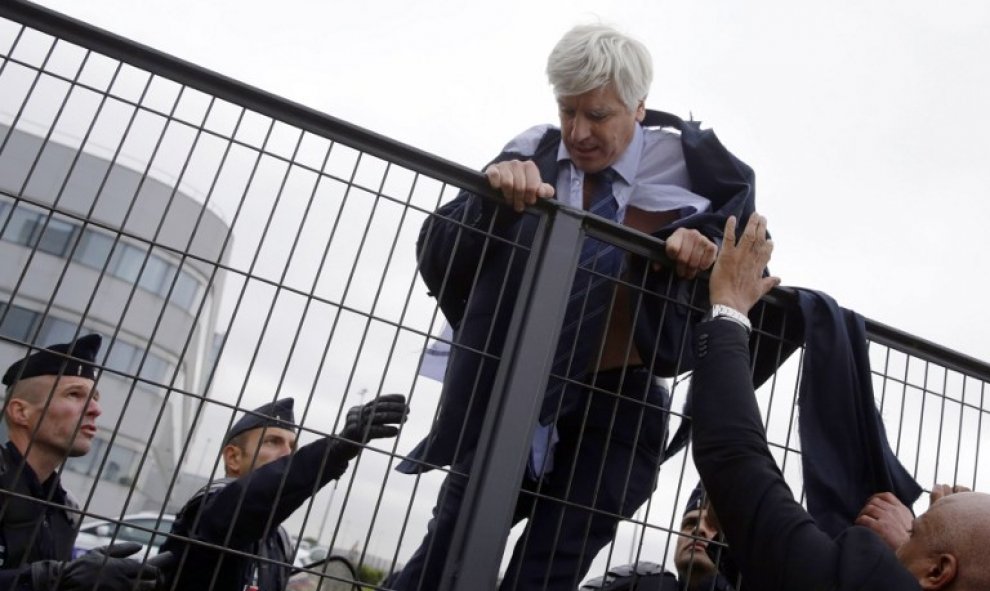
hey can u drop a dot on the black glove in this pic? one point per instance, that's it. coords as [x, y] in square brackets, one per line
[103, 569]
[375, 420]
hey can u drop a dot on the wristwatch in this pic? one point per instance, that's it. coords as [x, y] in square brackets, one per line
[729, 313]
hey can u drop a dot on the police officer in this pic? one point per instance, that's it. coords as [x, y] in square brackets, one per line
[695, 556]
[50, 409]
[265, 482]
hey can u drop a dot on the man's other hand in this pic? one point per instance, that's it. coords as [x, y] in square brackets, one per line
[519, 181]
[691, 252]
[943, 490]
[737, 280]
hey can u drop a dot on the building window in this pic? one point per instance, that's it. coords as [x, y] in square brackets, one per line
[21, 227]
[88, 463]
[121, 358]
[157, 275]
[185, 292]
[94, 249]
[125, 263]
[119, 466]
[56, 237]
[24, 226]
[155, 368]
[56, 330]
[18, 323]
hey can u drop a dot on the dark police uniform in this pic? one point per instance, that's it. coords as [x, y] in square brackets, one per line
[234, 572]
[245, 514]
[31, 531]
[649, 576]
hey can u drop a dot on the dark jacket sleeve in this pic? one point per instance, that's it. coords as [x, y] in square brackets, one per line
[716, 174]
[252, 505]
[454, 241]
[776, 544]
[16, 579]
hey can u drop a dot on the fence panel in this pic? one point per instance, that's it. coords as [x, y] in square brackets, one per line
[233, 248]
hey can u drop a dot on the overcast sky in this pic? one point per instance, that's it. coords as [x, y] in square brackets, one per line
[865, 121]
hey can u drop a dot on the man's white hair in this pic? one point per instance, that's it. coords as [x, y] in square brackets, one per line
[591, 56]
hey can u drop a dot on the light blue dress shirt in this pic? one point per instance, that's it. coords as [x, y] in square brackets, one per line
[651, 175]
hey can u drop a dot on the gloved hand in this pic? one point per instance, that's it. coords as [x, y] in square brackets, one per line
[103, 569]
[375, 420]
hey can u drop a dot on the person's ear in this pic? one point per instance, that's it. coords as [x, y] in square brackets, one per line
[18, 412]
[233, 460]
[641, 111]
[941, 572]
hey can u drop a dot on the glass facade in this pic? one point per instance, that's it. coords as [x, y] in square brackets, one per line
[121, 462]
[25, 225]
[22, 324]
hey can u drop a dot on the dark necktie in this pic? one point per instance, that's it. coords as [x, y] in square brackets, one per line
[591, 297]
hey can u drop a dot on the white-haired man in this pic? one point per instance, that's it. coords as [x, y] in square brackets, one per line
[603, 422]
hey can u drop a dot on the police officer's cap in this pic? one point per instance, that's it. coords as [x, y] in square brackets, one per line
[66, 359]
[696, 499]
[274, 414]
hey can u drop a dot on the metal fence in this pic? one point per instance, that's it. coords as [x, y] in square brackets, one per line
[234, 248]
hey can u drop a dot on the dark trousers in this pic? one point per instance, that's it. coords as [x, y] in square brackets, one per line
[605, 467]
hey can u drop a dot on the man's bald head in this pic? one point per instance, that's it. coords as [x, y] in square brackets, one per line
[947, 547]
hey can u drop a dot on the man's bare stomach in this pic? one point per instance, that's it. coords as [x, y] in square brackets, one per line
[619, 349]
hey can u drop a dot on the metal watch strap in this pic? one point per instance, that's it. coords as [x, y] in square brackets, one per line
[729, 313]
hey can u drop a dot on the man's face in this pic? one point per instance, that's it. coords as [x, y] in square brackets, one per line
[690, 557]
[270, 443]
[597, 127]
[67, 427]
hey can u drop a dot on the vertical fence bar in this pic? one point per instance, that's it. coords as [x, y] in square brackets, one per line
[504, 442]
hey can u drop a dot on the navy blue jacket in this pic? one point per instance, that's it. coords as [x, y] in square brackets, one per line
[472, 253]
[31, 531]
[246, 515]
[774, 541]
[845, 454]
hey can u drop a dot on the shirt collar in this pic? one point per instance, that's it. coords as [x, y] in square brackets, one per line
[628, 163]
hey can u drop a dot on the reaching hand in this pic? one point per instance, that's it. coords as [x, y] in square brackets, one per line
[103, 569]
[375, 420]
[885, 515]
[737, 280]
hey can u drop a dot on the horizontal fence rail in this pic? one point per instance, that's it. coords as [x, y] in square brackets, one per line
[234, 248]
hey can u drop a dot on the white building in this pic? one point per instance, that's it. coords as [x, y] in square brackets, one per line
[93, 246]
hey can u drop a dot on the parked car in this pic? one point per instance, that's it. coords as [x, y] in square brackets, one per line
[338, 575]
[137, 527]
